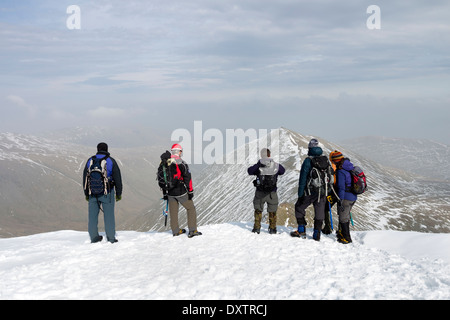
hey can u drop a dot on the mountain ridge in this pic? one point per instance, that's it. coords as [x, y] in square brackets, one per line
[42, 191]
[405, 193]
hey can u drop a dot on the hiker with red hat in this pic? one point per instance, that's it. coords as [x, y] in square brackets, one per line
[175, 180]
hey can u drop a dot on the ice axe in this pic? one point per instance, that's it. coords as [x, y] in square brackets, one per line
[329, 208]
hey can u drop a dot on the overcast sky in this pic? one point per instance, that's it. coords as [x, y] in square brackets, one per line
[311, 66]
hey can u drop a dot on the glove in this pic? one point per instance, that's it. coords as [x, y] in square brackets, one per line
[190, 196]
[301, 198]
[87, 198]
[165, 197]
[118, 198]
[340, 207]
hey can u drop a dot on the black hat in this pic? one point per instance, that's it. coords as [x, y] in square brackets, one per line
[102, 147]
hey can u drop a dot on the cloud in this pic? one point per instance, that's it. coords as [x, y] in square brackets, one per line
[21, 103]
[104, 112]
[114, 113]
[203, 56]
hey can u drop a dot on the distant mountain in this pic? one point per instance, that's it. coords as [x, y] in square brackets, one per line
[41, 187]
[421, 157]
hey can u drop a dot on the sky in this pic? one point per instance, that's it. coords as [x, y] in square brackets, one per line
[315, 67]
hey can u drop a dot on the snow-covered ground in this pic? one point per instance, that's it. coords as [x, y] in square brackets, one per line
[226, 262]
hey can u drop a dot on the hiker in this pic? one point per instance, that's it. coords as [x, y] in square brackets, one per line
[335, 157]
[347, 198]
[312, 189]
[102, 183]
[266, 172]
[176, 185]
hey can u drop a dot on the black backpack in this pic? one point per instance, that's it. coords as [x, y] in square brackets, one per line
[97, 177]
[267, 178]
[319, 176]
[267, 182]
[169, 174]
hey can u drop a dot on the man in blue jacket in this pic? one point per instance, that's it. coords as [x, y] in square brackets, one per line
[346, 199]
[111, 193]
[308, 195]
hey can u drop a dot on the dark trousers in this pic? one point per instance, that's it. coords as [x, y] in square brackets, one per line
[304, 202]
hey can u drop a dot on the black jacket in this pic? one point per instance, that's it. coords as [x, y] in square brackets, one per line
[182, 174]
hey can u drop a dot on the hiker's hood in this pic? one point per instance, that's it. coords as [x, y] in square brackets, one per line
[315, 151]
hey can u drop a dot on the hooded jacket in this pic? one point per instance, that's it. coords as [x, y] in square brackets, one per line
[266, 166]
[306, 168]
[344, 181]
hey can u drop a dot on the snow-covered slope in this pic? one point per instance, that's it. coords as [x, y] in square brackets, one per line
[395, 200]
[41, 184]
[226, 262]
[422, 157]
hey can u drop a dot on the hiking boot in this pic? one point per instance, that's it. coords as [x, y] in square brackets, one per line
[181, 231]
[194, 233]
[273, 230]
[316, 235]
[97, 239]
[343, 241]
[258, 218]
[327, 229]
[297, 234]
[300, 232]
[256, 230]
[272, 222]
[343, 234]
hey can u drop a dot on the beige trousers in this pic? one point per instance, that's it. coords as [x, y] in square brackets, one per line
[174, 204]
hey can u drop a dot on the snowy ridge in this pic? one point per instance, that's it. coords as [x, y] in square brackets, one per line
[226, 262]
[394, 200]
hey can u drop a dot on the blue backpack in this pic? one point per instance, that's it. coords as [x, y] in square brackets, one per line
[97, 177]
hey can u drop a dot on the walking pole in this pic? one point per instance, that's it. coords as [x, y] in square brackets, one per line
[331, 216]
[165, 212]
[351, 219]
